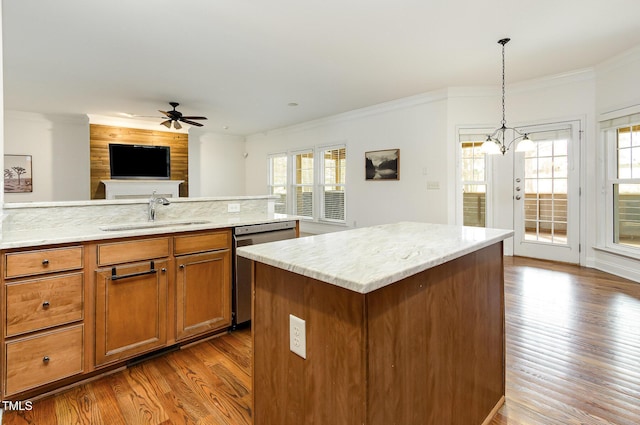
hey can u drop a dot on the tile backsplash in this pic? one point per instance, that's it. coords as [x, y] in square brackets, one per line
[101, 213]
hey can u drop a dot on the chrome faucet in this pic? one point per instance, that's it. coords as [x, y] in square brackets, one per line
[153, 201]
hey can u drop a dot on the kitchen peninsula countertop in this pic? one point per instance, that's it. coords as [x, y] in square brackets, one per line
[366, 259]
[49, 223]
[59, 235]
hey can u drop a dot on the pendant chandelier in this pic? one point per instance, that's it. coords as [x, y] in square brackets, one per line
[497, 141]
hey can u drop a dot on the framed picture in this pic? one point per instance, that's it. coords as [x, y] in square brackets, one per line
[382, 165]
[17, 174]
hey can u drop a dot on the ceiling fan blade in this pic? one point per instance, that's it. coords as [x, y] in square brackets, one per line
[166, 123]
[163, 112]
[177, 125]
[194, 118]
[197, 124]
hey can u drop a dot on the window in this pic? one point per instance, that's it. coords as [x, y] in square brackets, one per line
[473, 166]
[333, 184]
[303, 184]
[297, 174]
[546, 187]
[278, 181]
[625, 186]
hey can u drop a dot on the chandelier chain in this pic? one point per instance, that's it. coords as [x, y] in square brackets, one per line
[504, 119]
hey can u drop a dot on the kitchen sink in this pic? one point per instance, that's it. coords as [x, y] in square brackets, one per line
[151, 225]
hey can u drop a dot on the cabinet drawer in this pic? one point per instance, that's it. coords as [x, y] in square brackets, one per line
[44, 358]
[129, 251]
[43, 303]
[202, 242]
[43, 261]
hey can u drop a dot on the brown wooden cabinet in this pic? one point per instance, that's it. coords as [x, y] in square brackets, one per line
[203, 293]
[203, 283]
[131, 301]
[43, 317]
[72, 311]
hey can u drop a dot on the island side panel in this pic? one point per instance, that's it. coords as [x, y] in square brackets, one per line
[328, 386]
[436, 344]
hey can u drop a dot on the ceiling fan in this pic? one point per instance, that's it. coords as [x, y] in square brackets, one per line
[176, 117]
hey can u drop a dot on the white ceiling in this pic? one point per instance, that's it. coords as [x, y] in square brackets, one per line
[240, 62]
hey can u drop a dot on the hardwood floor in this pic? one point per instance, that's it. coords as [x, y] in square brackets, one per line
[573, 346]
[573, 357]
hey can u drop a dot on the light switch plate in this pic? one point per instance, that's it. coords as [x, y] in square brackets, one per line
[297, 336]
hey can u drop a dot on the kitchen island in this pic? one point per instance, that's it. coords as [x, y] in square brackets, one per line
[403, 324]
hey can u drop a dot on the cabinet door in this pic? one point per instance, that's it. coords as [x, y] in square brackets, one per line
[131, 310]
[203, 299]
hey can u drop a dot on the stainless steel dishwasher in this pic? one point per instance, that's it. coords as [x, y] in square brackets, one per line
[252, 235]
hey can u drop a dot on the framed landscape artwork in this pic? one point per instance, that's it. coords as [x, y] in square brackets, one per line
[382, 165]
[17, 174]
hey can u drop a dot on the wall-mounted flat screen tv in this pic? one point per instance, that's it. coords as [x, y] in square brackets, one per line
[139, 161]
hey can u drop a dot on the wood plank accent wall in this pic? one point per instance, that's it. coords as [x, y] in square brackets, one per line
[101, 135]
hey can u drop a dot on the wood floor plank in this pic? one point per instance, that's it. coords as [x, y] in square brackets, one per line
[572, 357]
[573, 344]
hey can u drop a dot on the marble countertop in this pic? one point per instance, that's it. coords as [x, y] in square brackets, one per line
[82, 233]
[366, 259]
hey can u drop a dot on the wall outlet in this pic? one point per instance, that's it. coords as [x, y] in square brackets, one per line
[233, 207]
[297, 336]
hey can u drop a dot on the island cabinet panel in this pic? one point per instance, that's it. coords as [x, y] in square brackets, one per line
[425, 350]
[326, 388]
[436, 345]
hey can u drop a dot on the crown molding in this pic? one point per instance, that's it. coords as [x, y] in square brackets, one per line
[619, 61]
[403, 103]
[13, 115]
[550, 81]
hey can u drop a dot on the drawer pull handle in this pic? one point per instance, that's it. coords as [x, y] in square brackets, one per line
[116, 276]
[45, 304]
[45, 262]
[45, 359]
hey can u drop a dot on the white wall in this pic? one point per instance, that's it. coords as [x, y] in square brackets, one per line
[416, 126]
[216, 164]
[59, 146]
[1, 120]
[617, 89]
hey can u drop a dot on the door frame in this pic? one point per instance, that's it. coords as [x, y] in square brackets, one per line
[575, 207]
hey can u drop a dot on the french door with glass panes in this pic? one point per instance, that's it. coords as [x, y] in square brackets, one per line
[546, 194]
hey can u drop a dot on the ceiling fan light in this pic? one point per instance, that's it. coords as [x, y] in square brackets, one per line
[166, 123]
[177, 125]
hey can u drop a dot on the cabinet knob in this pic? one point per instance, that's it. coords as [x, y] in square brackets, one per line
[45, 262]
[45, 304]
[163, 270]
[45, 360]
[182, 266]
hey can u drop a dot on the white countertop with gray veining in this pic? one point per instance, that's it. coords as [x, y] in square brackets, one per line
[31, 237]
[369, 258]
